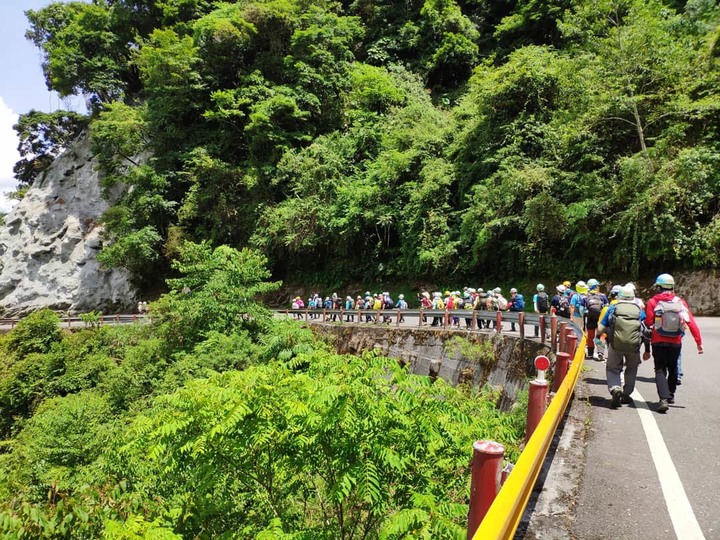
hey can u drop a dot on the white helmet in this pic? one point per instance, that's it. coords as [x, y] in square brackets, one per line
[626, 293]
[560, 289]
[401, 296]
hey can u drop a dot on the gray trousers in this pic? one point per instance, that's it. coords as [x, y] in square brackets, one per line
[614, 368]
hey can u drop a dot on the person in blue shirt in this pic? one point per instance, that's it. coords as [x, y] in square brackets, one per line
[516, 303]
[577, 304]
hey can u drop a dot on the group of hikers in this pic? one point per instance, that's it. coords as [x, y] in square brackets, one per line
[618, 325]
[468, 299]
[622, 324]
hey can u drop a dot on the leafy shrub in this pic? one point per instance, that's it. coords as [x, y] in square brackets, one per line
[35, 333]
[349, 443]
[64, 436]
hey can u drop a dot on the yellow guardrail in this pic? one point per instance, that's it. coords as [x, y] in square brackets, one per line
[503, 517]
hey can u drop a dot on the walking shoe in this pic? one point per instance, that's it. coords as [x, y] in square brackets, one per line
[616, 397]
[662, 406]
[626, 400]
[672, 398]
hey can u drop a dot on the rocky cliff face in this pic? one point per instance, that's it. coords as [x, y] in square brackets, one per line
[49, 244]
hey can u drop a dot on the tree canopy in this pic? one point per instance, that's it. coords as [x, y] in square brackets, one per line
[397, 140]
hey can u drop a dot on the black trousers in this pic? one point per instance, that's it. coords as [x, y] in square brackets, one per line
[665, 356]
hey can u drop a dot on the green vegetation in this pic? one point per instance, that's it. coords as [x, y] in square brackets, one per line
[214, 421]
[383, 141]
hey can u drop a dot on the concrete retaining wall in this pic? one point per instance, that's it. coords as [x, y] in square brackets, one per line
[431, 352]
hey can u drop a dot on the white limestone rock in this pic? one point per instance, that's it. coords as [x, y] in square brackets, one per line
[49, 244]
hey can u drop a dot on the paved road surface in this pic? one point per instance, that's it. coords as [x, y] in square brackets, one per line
[648, 475]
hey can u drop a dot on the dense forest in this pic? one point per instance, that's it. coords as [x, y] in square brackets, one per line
[392, 140]
[214, 421]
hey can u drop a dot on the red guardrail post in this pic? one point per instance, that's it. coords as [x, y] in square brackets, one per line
[572, 341]
[563, 335]
[445, 319]
[498, 322]
[561, 368]
[537, 403]
[420, 317]
[485, 482]
[521, 324]
[542, 329]
[474, 320]
[537, 398]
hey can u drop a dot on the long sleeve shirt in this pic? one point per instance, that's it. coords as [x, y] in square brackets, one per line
[686, 315]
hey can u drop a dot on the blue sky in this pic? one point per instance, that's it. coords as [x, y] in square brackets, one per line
[22, 85]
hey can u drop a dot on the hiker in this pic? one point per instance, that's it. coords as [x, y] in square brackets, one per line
[561, 302]
[595, 301]
[425, 304]
[402, 305]
[437, 304]
[577, 304]
[541, 304]
[668, 316]
[516, 304]
[622, 323]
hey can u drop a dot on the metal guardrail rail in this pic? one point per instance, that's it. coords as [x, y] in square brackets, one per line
[550, 325]
[79, 322]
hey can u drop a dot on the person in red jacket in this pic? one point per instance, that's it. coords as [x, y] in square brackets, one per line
[668, 317]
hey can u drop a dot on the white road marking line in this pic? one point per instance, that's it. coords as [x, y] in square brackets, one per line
[681, 513]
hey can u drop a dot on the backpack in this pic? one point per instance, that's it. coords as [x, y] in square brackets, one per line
[594, 306]
[624, 330]
[563, 307]
[668, 318]
[542, 302]
[451, 303]
[518, 303]
[502, 303]
[440, 304]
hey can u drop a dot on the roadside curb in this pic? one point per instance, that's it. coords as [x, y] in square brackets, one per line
[550, 513]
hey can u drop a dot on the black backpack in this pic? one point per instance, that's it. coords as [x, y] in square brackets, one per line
[594, 305]
[563, 307]
[542, 302]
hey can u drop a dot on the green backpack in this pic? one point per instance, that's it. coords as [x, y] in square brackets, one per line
[626, 332]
